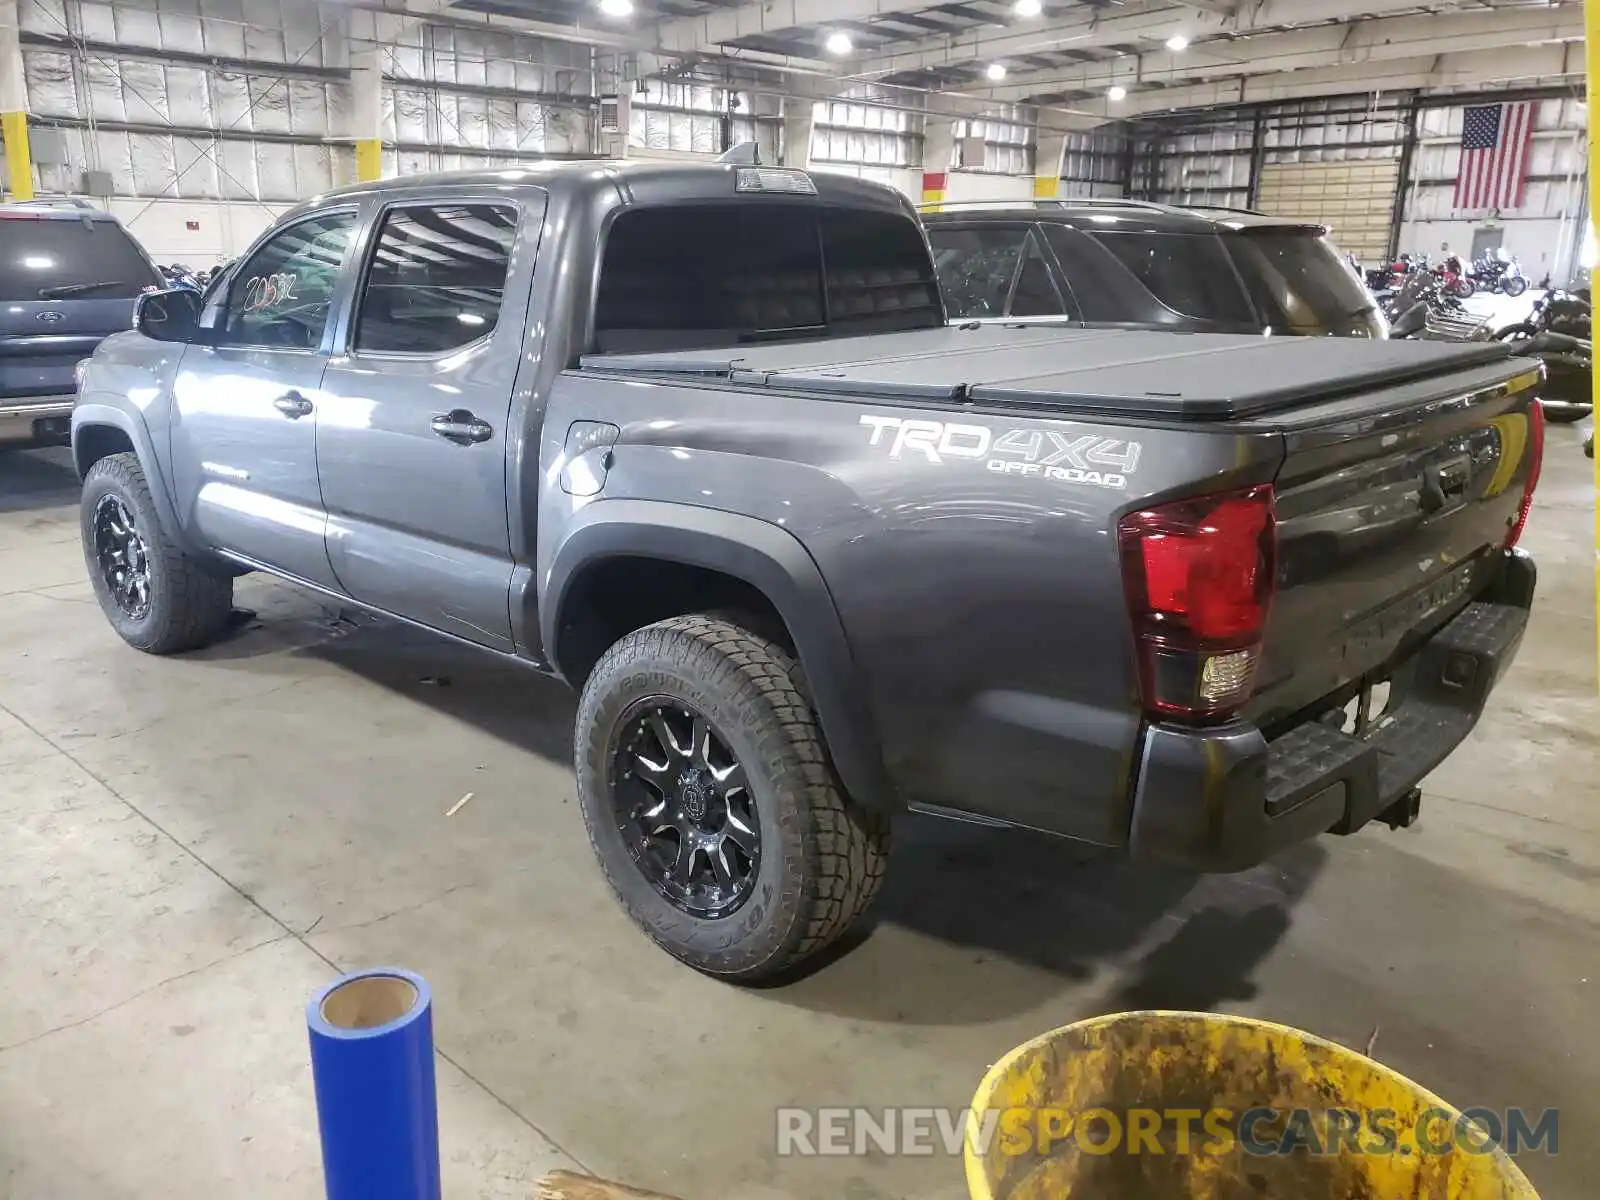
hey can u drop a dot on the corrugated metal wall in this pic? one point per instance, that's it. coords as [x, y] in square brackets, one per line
[1545, 233]
[1095, 164]
[1214, 158]
[217, 99]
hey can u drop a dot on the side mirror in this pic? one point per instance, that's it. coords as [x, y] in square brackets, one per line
[170, 315]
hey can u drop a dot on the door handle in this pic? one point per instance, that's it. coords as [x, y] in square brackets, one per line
[461, 427]
[293, 405]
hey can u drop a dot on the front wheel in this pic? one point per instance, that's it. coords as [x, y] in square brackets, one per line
[711, 804]
[1463, 287]
[157, 598]
[1515, 286]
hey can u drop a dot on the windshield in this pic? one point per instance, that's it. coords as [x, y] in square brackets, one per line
[1300, 285]
[45, 258]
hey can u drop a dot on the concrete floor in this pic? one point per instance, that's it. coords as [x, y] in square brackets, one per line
[188, 848]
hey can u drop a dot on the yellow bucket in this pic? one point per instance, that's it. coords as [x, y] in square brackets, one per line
[1198, 1106]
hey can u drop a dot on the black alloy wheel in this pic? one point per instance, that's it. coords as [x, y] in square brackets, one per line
[123, 559]
[683, 805]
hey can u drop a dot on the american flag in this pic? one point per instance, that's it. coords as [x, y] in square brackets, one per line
[1494, 155]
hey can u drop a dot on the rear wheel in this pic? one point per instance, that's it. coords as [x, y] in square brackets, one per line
[1464, 287]
[156, 597]
[711, 804]
[1566, 413]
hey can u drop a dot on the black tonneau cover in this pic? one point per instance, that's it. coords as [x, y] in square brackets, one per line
[1154, 373]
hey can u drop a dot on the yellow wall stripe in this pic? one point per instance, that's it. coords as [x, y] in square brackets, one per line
[369, 159]
[19, 159]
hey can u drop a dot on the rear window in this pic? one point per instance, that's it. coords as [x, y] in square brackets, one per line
[1162, 281]
[719, 274]
[51, 258]
[1301, 285]
[1186, 272]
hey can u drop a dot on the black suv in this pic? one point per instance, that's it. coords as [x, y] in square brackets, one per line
[68, 277]
[1149, 266]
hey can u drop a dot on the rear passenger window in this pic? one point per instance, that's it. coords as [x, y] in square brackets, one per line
[1035, 294]
[437, 277]
[976, 266]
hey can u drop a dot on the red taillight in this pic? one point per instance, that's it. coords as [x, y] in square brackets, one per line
[1535, 463]
[1198, 575]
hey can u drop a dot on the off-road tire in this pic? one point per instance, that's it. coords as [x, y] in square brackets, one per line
[822, 856]
[189, 601]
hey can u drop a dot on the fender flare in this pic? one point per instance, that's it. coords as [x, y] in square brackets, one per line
[775, 563]
[89, 413]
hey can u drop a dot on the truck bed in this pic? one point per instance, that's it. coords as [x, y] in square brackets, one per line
[1184, 376]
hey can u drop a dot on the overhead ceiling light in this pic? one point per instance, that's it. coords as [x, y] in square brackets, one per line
[996, 71]
[1027, 8]
[1177, 42]
[839, 43]
[617, 8]
[1116, 92]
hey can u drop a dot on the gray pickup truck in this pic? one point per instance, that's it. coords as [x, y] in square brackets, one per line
[698, 439]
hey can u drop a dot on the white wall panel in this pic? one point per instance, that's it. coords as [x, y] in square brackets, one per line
[972, 186]
[905, 180]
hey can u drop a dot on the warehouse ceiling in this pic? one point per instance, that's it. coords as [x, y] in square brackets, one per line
[1095, 60]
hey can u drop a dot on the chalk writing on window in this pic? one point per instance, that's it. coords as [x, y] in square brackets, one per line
[268, 291]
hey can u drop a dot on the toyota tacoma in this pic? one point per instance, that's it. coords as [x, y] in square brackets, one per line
[698, 439]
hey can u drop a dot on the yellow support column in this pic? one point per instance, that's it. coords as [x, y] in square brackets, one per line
[1591, 23]
[1048, 149]
[369, 159]
[366, 94]
[14, 107]
[19, 159]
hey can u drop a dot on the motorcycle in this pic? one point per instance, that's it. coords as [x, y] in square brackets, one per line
[179, 276]
[1390, 276]
[1454, 277]
[1494, 274]
[1559, 333]
[1422, 307]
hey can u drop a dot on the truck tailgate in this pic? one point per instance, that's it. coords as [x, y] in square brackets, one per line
[1390, 509]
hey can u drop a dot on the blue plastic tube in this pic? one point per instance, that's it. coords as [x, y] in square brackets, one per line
[372, 1061]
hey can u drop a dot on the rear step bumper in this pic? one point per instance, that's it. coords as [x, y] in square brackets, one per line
[1225, 799]
[36, 418]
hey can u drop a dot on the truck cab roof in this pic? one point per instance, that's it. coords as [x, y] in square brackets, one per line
[627, 182]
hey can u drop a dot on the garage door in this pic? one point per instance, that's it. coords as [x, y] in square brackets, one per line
[1354, 199]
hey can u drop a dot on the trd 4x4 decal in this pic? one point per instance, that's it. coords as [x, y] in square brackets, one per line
[1041, 453]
